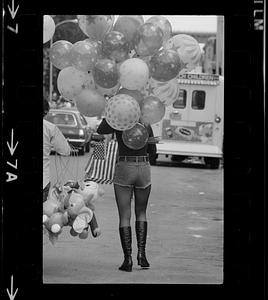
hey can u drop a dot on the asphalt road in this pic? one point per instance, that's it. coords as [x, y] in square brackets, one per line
[185, 230]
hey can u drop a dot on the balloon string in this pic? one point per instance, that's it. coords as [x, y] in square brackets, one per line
[63, 169]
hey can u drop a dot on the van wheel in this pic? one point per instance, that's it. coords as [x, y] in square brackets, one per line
[178, 158]
[152, 159]
[212, 162]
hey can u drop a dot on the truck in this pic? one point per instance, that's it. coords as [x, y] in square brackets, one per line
[193, 124]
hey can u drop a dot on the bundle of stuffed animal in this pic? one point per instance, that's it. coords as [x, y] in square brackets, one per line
[72, 205]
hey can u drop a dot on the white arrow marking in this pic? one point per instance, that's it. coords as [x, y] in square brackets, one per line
[12, 12]
[11, 148]
[10, 294]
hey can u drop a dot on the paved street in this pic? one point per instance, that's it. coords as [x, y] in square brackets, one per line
[185, 230]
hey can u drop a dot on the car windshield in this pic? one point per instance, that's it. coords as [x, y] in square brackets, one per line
[83, 120]
[61, 118]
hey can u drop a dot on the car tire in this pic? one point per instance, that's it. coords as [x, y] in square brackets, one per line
[82, 150]
[212, 162]
[178, 158]
[87, 147]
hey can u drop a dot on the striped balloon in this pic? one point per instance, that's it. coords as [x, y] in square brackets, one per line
[187, 48]
[167, 92]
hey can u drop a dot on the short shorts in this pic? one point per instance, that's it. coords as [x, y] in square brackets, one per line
[132, 174]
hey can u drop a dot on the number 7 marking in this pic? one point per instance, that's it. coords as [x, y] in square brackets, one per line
[12, 29]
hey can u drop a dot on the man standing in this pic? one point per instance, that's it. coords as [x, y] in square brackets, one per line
[52, 138]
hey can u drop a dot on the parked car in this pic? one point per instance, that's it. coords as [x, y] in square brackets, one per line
[74, 127]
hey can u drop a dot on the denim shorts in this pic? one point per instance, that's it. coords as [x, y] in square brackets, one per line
[132, 174]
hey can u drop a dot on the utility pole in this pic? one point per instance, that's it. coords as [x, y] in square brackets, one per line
[220, 46]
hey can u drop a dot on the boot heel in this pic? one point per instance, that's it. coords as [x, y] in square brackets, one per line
[127, 265]
[142, 261]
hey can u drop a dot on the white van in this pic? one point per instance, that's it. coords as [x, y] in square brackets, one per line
[193, 124]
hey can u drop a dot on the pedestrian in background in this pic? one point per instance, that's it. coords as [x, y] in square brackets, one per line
[52, 139]
[132, 175]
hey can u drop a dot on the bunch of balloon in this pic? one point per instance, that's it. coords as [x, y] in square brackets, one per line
[76, 79]
[130, 62]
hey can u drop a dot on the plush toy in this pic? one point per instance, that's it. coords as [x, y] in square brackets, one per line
[56, 221]
[91, 191]
[79, 215]
[72, 205]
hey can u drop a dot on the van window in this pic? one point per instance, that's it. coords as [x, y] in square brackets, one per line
[181, 101]
[198, 99]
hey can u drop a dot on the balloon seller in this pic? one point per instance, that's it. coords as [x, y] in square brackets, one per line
[52, 137]
[132, 175]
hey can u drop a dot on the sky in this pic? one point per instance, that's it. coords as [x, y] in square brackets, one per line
[190, 23]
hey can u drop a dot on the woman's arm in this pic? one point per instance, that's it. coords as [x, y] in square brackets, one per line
[104, 128]
[60, 143]
[151, 149]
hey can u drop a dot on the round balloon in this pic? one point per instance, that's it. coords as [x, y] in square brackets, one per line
[165, 65]
[137, 95]
[89, 82]
[84, 55]
[167, 92]
[59, 54]
[107, 92]
[146, 59]
[136, 137]
[163, 23]
[71, 81]
[95, 26]
[48, 28]
[128, 25]
[115, 46]
[187, 47]
[148, 39]
[133, 74]
[152, 110]
[90, 102]
[122, 112]
[105, 73]
[98, 46]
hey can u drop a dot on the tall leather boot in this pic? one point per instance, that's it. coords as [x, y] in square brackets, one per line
[141, 233]
[126, 239]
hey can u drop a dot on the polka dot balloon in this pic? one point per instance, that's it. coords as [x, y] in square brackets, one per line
[122, 112]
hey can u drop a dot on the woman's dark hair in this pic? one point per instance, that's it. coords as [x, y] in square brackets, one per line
[45, 106]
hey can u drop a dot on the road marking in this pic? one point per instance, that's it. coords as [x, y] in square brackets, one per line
[193, 213]
[197, 228]
[197, 235]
